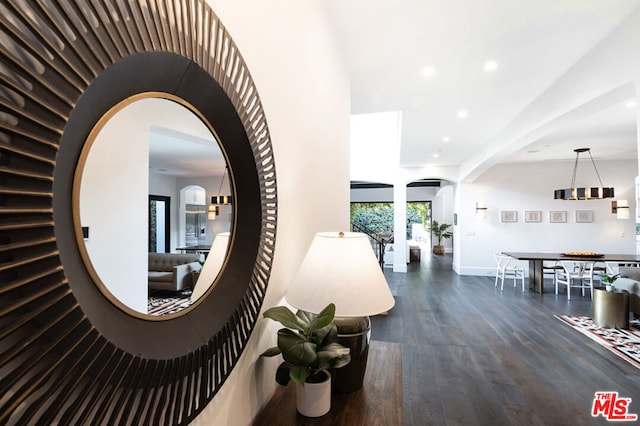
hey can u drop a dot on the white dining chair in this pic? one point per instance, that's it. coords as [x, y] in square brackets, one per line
[551, 267]
[505, 269]
[575, 275]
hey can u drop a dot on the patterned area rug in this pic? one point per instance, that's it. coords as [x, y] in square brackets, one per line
[164, 303]
[624, 343]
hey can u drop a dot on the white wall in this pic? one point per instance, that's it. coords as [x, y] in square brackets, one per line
[443, 212]
[293, 59]
[115, 208]
[529, 186]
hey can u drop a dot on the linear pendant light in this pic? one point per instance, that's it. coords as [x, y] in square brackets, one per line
[584, 193]
[222, 199]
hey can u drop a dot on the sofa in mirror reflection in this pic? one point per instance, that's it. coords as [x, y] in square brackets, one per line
[172, 271]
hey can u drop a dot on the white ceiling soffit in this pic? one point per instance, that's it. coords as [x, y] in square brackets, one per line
[387, 45]
[180, 144]
[180, 154]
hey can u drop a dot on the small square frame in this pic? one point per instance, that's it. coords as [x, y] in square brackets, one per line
[533, 216]
[557, 216]
[508, 216]
[584, 216]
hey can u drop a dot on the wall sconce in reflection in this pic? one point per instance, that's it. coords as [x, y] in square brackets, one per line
[481, 210]
[213, 211]
[621, 209]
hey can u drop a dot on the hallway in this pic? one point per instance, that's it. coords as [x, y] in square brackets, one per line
[475, 356]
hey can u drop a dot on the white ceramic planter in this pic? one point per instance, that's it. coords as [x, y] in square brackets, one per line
[314, 399]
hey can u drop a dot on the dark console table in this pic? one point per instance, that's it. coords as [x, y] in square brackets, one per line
[378, 402]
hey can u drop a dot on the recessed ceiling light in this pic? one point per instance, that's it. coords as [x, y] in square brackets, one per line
[436, 155]
[446, 139]
[462, 114]
[490, 66]
[428, 71]
[630, 104]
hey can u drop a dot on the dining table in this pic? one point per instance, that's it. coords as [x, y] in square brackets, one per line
[199, 249]
[536, 259]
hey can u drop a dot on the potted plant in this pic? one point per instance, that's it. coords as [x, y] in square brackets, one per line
[309, 347]
[609, 279]
[441, 233]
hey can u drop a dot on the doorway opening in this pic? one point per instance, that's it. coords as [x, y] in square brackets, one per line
[159, 224]
[376, 220]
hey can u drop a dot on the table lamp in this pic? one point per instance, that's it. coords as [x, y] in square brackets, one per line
[341, 268]
[212, 265]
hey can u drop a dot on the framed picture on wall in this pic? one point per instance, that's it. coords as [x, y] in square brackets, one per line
[584, 216]
[508, 216]
[533, 216]
[557, 216]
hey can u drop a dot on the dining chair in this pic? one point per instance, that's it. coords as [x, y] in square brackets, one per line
[505, 269]
[600, 269]
[551, 267]
[575, 275]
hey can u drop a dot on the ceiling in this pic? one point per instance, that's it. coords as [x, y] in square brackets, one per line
[180, 145]
[388, 43]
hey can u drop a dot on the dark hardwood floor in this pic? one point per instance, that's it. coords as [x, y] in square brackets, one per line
[473, 355]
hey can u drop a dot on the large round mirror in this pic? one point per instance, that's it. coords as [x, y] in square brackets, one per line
[157, 216]
[81, 357]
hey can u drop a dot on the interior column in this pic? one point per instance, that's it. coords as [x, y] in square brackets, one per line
[399, 226]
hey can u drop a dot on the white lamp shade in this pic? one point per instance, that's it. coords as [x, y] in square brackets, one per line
[212, 265]
[341, 268]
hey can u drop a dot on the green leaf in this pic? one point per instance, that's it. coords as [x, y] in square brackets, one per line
[324, 317]
[283, 374]
[285, 317]
[340, 361]
[271, 352]
[306, 317]
[332, 351]
[296, 350]
[323, 335]
[299, 374]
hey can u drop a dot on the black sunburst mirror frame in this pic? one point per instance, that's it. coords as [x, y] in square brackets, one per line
[67, 354]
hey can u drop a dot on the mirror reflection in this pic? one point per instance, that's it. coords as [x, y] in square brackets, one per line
[151, 237]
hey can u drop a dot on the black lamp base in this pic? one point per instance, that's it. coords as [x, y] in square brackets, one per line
[354, 333]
